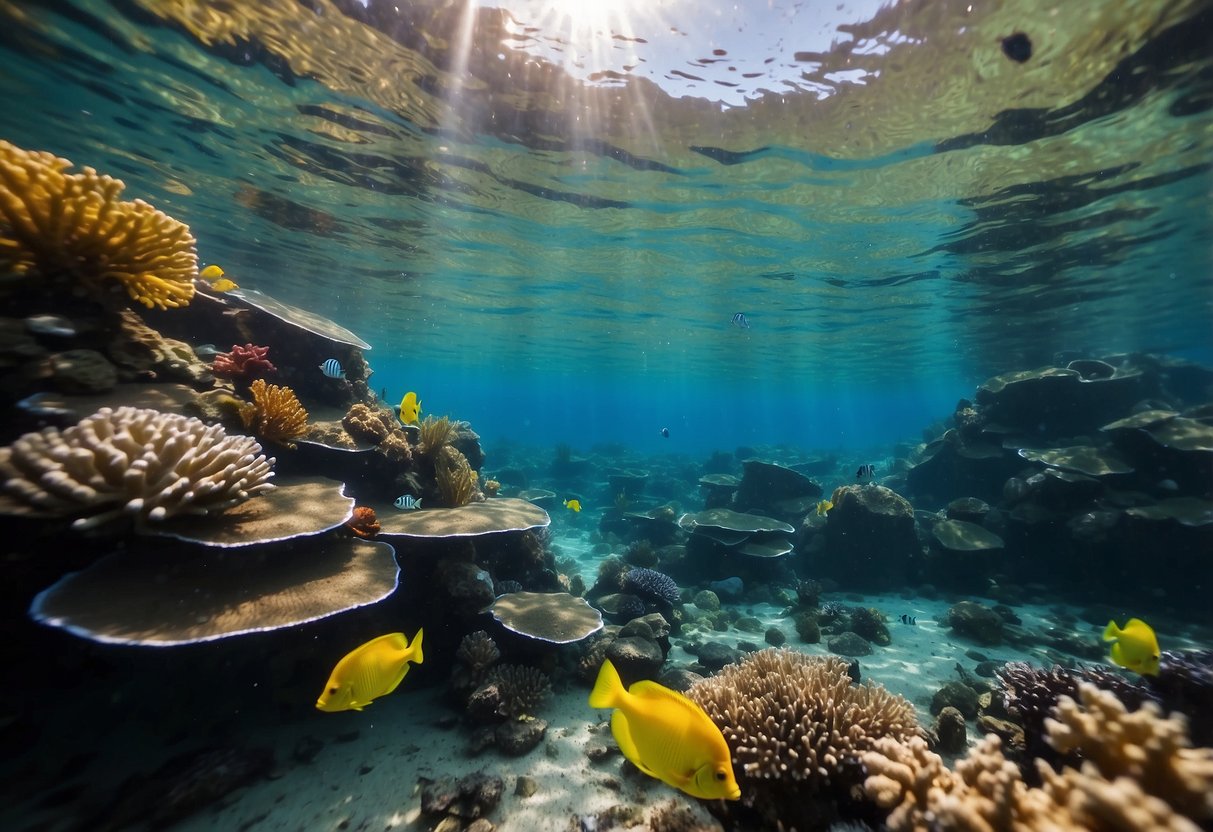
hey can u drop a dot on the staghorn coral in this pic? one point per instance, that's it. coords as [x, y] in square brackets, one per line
[55, 224]
[795, 724]
[435, 434]
[143, 463]
[243, 362]
[456, 479]
[363, 523]
[521, 689]
[478, 651]
[275, 413]
[1138, 773]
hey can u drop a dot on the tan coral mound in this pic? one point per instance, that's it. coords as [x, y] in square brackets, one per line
[1139, 772]
[54, 223]
[142, 463]
[275, 413]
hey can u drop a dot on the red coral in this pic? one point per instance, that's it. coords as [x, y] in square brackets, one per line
[364, 523]
[243, 362]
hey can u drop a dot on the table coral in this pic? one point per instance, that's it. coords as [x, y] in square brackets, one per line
[131, 461]
[243, 362]
[54, 224]
[275, 413]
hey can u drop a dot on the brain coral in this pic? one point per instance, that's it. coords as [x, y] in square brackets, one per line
[143, 463]
[54, 224]
[796, 726]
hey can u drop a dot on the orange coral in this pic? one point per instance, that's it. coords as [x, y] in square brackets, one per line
[54, 223]
[275, 413]
[364, 523]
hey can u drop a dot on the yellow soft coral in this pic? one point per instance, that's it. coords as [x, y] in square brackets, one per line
[275, 413]
[54, 223]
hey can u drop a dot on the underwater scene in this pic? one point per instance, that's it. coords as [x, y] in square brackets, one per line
[593, 415]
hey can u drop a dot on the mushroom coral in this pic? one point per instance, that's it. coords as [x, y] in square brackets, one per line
[54, 223]
[795, 725]
[133, 461]
[275, 413]
[1138, 772]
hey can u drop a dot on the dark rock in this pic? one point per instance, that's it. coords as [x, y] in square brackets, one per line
[972, 620]
[853, 671]
[485, 703]
[471, 796]
[808, 628]
[987, 669]
[951, 730]
[767, 489]
[635, 659]
[748, 624]
[870, 539]
[82, 371]
[956, 695]
[968, 509]
[637, 628]
[679, 679]
[849, 644]
[869, 623]
[713, 655]
[775, 637]
[976, 656]
[519, 736]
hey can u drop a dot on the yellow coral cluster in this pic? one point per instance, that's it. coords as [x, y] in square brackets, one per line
[1139, 772]
[54, 223]
[275, 413]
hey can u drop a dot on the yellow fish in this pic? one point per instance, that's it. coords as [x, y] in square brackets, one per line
[1134, 647]
[369, 671]
[667, 736]
[573, 505]
[410, 408]
[224, 285]
[211, 272]
[824, 507]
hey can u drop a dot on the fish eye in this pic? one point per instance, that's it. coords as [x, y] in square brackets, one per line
[333, 691]
[720, 775]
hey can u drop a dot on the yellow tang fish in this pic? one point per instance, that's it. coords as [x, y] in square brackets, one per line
[667, 736]
[410, 408]
[211, 272]
[224, 285]
[824, 507]
[369, 671]
[573, 505]
[1134, 647]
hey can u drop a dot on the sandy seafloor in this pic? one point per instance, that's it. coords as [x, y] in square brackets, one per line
[369, 782]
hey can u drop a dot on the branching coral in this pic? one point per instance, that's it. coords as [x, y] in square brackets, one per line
[649, 583]
[435, 434]
[243, 362]
[456, 479]
[478, 651]
[521, 689]
[795, 724]
[142, 463]
[1138, 773]
[56, 224]
[275, 413]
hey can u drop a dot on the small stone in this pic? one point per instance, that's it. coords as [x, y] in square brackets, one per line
[748, 624]
[480, 825]
[518, 737]
[775, 637]
[951, 730]
[957, 695]
[713, 655]
[597, 752]
[526, 786]
[707, 600]
[448, 824]
[849, 644]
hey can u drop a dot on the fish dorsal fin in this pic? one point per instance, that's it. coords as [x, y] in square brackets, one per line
[646, 689]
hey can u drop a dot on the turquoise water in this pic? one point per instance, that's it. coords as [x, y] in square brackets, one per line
[544, 218]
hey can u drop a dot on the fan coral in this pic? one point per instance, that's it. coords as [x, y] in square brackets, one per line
[795, 725]
[243, 362]
[363, 523]
[456, 479]
[1139, 773]
[54, 224]
[522, 689]
[478, 651]
[649, 583]
[143, 463]
[275, 413]
[435, 434]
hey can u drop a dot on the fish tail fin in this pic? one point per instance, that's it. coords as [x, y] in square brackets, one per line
[418, 503]
[415, 648]
[1111, 632]
[608, 689]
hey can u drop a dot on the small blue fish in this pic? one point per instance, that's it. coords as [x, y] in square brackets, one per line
[407, 501]
[740, 321]
[908, 619]
[866, 473]
[332, 369]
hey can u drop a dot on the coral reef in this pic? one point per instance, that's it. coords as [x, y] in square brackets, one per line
[55, 224]
[248, 361]
[521, 689]
[362, 421]
[142, 463]
[649, 583]
[435, 434]
[1139, 772]
[364, 523]
[792, 723]
[456, 479]
[275, 413]
[478, 651]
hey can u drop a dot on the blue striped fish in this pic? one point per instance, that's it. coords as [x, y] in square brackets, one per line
[407, 501]
[332, 369]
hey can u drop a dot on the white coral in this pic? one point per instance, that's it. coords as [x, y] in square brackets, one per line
[143, 463]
